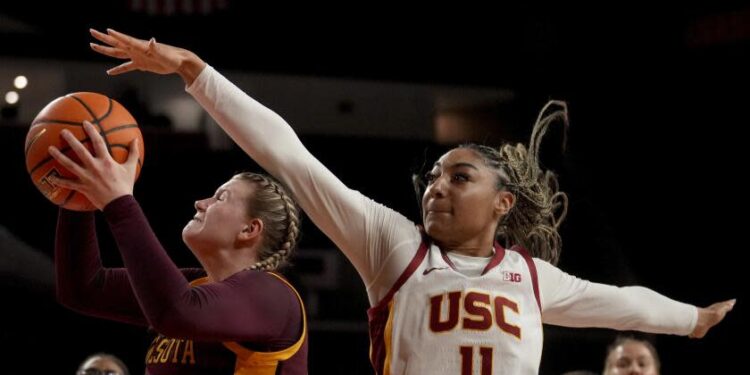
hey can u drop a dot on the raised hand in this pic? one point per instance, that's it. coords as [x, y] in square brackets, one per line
[711, 316]
[99, 177]
[146, 55]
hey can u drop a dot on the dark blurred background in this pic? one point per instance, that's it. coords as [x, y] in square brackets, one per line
[653, 167]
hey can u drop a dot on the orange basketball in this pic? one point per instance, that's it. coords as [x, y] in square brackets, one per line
[114, 122]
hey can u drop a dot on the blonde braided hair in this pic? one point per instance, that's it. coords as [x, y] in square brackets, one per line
[540, 207]
[275, 207]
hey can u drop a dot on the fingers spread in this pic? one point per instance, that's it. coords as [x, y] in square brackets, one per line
[66, 162]
[128, 40]
[104, 38]
[134, 152]
[727, 306]
[109, 51]
[81, 151]
[100, 147]
[66, 183]
[122, 68]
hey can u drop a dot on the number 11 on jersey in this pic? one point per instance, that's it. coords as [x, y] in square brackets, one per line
[467, 360]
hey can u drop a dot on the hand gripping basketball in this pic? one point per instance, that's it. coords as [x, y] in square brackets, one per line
[99, 177]
[58, 125]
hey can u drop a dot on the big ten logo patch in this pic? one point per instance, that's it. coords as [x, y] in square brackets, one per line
[514, 277]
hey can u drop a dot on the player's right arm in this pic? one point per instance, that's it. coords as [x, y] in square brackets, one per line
[82, 283]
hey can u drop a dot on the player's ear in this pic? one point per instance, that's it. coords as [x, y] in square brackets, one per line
[251, 229]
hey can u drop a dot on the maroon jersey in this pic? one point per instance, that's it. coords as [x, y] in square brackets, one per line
[215, 327]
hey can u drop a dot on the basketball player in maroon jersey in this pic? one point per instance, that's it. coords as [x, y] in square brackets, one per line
[234, 316]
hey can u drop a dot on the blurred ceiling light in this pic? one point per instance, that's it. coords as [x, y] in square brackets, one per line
[11, 97]
[20, 82]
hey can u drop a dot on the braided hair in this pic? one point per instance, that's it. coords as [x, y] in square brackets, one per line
[540, 207]
[271, 203]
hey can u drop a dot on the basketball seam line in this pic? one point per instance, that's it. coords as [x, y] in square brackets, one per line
[96, 120]
[87, 139]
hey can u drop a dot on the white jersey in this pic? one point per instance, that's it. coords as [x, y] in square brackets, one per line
[381, 244]
[440, 321]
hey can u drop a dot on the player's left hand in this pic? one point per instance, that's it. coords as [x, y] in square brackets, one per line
[711, 316]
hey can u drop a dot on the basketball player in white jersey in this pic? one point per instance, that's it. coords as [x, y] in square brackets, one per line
[447, 299]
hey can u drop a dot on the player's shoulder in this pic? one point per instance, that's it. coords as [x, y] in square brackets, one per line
[272, 279]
